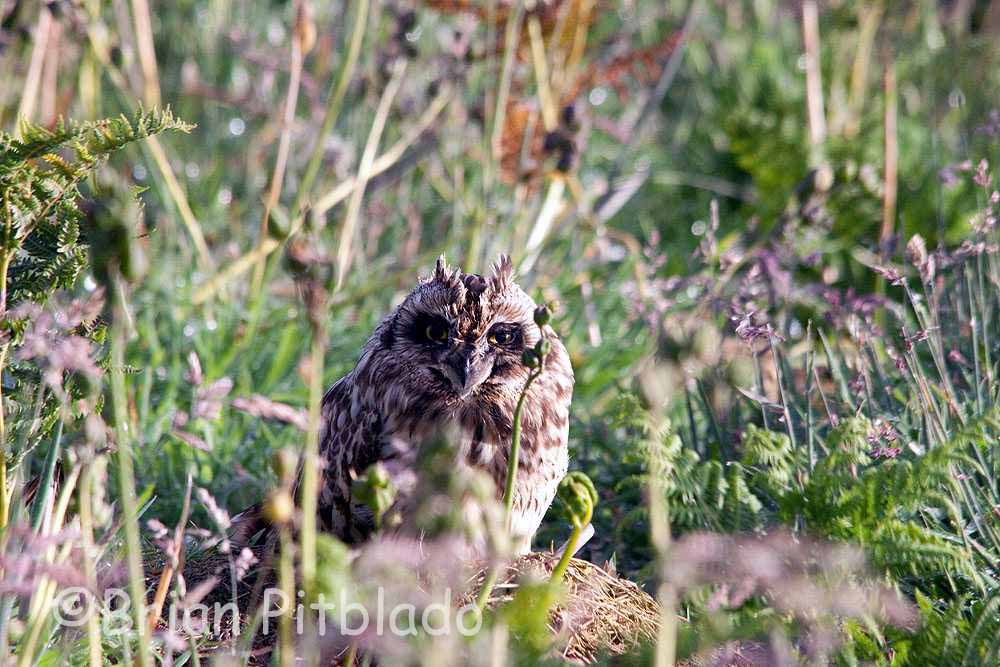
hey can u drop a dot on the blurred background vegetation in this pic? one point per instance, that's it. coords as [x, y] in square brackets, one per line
[694, 183]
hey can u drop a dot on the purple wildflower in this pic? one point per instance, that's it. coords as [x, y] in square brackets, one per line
[892, 275]
[991, 127]
[982, 176]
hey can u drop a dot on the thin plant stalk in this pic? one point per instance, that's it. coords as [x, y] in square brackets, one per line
[310, 458]
[556, 56]
[52, 523]
[45, 591]
[835, 370]
[33, 77]
[508, 494]
[159, 155]
[5, 493]
[286, 580]
[95, 653]
[485, 213]
[551, 207]
[891, 147]
[101, 50]
[571, 67]
[515, 449]
[659, 526]
[44, 595]
[338, 91]
[249, 629]
[347, 230]
[483, 598]
[870, 16]
[759, 381]
[338, 194]
[391, 156]
[689, 408]
[297, 59]
[335, 101]
[364, 171]
[984, 319]
[512, 34]
[923, 390]
[550, 115]
[717, 450]
[147, 52]
[567, 554]
[935, 344]
[814, 82]
[974, 332]
[351, 655]
[810, 431]
[89, 78]
[782, 393]
[126, 475]
[174, 563]
[46, 484]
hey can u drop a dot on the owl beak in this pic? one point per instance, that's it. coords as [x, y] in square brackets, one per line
[466, 370]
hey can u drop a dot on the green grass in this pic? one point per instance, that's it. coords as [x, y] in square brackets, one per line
[679, 216]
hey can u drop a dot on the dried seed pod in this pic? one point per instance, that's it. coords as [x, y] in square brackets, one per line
[542, 315]
[279, 508]
[284, 463]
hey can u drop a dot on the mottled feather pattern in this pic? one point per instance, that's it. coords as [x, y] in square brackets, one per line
[408, 387]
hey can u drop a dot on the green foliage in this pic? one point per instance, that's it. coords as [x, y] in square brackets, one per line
[333, 567]
[644, 283]
[577, 498]
[962, 633]
[709, 494]
[527, 615]
[42, 245]
[770, 458]
[909, 481]
[47, 236]
[375, 490]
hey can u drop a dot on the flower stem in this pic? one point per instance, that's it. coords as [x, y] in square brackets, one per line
[487, 589]
[567, 555]
[335, 100]
[4, 491]
[310, 475]
[508, 493]
[286, 580]
[86, 490]
[515, 450]
[126, 476]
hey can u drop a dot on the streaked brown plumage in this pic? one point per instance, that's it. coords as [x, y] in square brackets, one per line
[448, 356]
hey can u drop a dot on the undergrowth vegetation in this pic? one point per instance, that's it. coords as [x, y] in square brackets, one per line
[770, 228]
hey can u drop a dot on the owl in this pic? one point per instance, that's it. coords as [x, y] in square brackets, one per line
[449, 357]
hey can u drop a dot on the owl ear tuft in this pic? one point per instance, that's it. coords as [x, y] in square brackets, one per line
[502, 274]
[445, 275]
[441, 269]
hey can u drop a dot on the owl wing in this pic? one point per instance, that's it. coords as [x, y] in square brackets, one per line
[352, 439]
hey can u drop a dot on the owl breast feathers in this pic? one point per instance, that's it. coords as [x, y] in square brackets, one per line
[449, 357]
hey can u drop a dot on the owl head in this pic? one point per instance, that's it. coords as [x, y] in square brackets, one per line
[459, 336]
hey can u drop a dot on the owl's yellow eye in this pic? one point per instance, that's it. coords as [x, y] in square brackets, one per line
[436, 332]
[502, 336]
